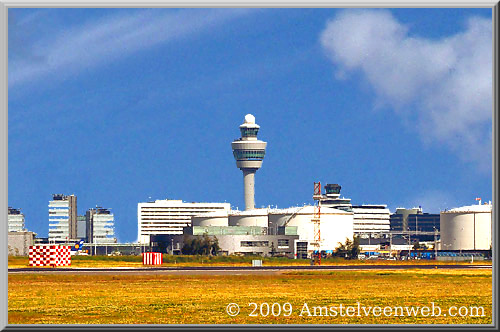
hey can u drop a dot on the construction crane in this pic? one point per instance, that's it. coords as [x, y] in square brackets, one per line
[316, 220]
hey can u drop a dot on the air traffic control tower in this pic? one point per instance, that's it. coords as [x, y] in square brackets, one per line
[249, 153]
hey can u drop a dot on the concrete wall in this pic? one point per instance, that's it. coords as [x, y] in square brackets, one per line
[209, 221]
[248, 220]
[19, 243]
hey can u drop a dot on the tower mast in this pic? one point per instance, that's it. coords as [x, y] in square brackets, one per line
[316, 220]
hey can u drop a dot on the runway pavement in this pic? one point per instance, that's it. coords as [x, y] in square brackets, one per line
[240, 269]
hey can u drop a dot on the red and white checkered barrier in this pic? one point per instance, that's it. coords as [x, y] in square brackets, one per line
[152, 258]
[49, 255]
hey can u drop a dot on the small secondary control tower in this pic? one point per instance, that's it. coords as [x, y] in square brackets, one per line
[249, 153]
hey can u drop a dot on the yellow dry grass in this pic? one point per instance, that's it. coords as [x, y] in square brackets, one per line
[130, 261]
[202, 299]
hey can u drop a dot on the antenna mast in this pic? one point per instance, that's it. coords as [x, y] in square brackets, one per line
[316, 220]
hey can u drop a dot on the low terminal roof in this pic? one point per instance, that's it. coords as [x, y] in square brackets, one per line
[212, 214]
[254, 212]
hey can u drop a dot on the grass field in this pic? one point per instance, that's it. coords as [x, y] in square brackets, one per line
[202, 299]
[169, 260]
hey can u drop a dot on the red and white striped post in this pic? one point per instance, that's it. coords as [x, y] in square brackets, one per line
[152, 258]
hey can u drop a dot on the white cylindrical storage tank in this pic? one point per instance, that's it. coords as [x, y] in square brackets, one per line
[256, 217]
[217, 218]
[336, 225]
[466, 228]
[279, 218]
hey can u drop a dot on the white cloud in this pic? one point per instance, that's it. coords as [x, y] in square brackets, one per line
[102, 41]
[443, 87]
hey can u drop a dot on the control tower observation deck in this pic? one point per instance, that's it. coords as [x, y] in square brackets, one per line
[249, 153]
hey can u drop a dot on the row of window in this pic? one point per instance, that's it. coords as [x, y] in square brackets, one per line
[281, 243]
[249, 154]
[254, 243]
[249, 132]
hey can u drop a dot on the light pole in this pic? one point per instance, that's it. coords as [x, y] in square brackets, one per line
[390, 244]
[435, 242]
[409, 244]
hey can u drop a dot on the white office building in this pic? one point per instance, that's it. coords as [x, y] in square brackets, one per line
[367, 218]
[62, 218]
[15, 220]
[169, 217]
[371, 219]
[100, 226]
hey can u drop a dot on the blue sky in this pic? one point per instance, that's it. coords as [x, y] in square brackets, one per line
[118, 106]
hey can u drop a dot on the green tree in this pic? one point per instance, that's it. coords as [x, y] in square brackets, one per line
[187, 248]
[349, 249]
[354, 249]
[203, 245]
[196, 246]
[273, 250]
[419, 246]
[214, 246]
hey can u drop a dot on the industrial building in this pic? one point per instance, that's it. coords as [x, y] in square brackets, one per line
[62, 218]
[467, 227]
[336, 225]
[15, 220]
[414, 220]
[100, 226]
[169, 217]
[422, 226]
[243, 240]
[243, 232]
[289, 231]
[255, 231]
[424, 222]
[399, 219]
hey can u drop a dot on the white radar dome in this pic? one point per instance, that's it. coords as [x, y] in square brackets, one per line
[249, 118]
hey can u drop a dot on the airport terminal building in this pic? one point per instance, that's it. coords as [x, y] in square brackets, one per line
[169, 217]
